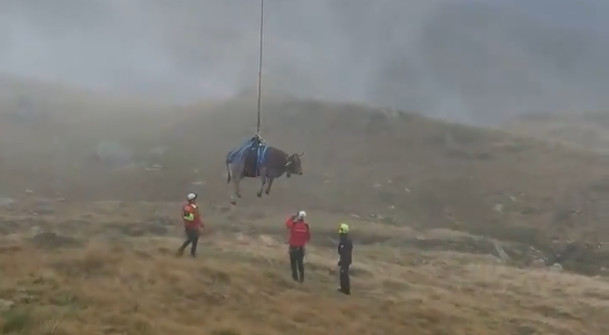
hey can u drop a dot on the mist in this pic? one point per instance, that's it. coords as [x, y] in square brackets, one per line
[462, 60]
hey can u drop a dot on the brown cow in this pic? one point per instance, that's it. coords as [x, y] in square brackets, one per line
[275, 163]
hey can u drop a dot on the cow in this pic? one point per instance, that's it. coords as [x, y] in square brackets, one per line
[275, 163]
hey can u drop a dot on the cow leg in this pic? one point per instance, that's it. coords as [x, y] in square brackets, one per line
[235, 192]
[238, 188]
[262, 182]
[268, 188]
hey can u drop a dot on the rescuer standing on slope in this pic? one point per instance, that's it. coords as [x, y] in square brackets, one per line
[192, 225]
[299, 236]
[345, 248]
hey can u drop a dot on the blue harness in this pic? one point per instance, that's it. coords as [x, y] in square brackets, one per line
[239, 153]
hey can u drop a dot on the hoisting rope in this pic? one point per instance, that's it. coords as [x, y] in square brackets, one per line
[260, 64]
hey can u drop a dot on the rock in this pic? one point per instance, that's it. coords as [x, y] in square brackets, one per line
[498, 208]
[556, 267]
[355, 216]
[154, 167]
[6, 305]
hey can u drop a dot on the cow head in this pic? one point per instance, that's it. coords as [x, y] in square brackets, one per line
[293, 164]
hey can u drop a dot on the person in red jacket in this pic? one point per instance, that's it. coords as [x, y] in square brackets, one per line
[299, 236]
[192, 225]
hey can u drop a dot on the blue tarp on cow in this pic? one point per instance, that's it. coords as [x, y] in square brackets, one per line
[239, 152]
[250, 144]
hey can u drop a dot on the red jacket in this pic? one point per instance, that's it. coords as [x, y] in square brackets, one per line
[300, 234]
[191, 216]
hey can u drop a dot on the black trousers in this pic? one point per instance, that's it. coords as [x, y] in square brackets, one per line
[345, 281]
[297, 263]
[192, 238]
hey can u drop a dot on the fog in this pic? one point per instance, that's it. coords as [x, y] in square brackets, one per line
[465, 60]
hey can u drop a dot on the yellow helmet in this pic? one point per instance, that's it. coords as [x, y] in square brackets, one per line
[343, 228]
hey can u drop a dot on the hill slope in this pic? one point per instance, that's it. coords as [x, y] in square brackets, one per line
[90, 185]
[588, 131]
[397, 167]
[109, 268]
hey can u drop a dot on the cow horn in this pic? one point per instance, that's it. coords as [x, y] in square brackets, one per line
[288, 163]
[300, 154]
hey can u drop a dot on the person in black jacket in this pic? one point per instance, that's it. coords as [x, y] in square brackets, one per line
[345, 248]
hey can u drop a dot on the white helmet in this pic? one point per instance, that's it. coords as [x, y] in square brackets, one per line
[302, 214]
[191, 196]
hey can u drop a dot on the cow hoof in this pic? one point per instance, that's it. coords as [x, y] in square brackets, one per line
[259, 195]
[233, 202]
[239, 196]
[267, 193]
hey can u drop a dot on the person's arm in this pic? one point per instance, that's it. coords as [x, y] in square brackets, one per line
[349, 252]
[187, 214]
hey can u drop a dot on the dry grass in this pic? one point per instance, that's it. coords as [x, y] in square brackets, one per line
[240, 285]
[114, 284]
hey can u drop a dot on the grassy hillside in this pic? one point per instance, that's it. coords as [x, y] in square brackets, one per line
[109, 268]
[451, 223]
[381, 165]
[584, 130]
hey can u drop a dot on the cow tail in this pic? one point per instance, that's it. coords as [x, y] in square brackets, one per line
[227, 173]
